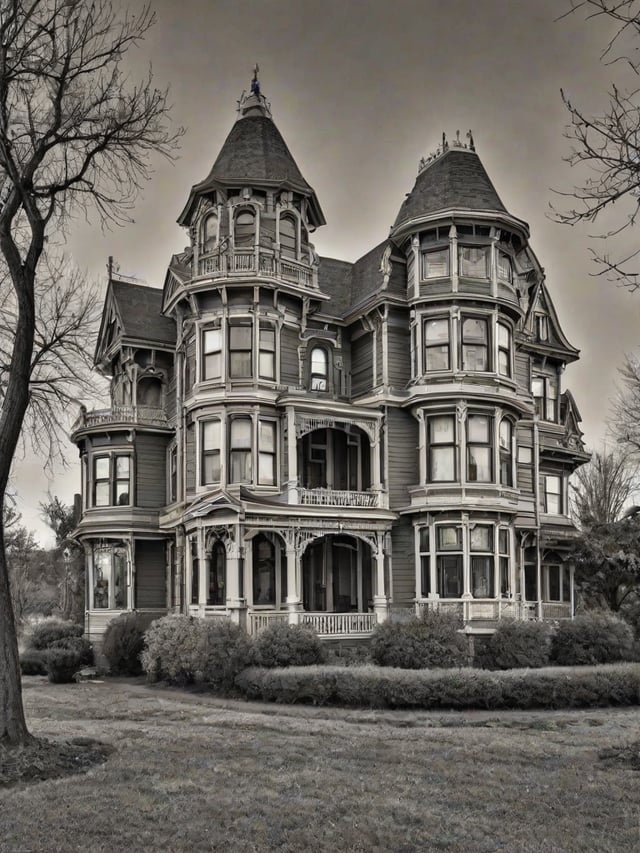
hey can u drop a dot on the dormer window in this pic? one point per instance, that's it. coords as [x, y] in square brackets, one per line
[542, 327]
[319, 369]
[288, 236]
[209, 233]
[244, 233]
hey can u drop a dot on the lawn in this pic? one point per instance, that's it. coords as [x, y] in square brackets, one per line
[192, 772]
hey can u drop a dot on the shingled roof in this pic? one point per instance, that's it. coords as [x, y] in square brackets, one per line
[456, 180]
[334, 279]
[140, 311]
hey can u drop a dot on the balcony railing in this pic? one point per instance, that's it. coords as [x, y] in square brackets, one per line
[148, 415]
[256, 262]
[338, 497]
[259, 620]
[340, 624]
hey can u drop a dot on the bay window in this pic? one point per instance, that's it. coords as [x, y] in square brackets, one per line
[506, 452]
[109, 577]
[240, 349]
[442, 448]
[212, 354]
[503, 557]
[435, 263]
[217, 574]
[473, 261]
[266, 453]
[240, 450]
[241, 359]
[437, 344]
[505, 267]
[425, 561]
[210, 438]
[504, 350]
[475, 344]
[112, 480]
[267, 351]
[479, 449]
[449, 562]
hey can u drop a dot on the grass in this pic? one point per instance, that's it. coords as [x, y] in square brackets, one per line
[195, 773]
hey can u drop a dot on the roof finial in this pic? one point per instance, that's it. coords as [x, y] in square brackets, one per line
[255, 83]
[472, 146]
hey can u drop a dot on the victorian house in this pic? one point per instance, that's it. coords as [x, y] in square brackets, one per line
[304, 439]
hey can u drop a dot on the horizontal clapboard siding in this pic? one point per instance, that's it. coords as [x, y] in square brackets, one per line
[378, 339]
[523, 371]
[399, 354]
[289, 369]
[362, 364]
[404, 575]
[402, 442]
[190, 459]
[150, 573]
[151, 478]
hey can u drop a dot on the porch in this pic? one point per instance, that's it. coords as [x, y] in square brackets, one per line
[494, 609]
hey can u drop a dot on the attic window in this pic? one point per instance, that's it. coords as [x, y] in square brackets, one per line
[542, 327]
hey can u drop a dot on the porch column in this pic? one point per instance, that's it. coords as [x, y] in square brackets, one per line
[380, 600]
[572, 589]
[292, 456]
[179, 573]
[294, 601]
[235, 603]
[203, 586]
[376, 483]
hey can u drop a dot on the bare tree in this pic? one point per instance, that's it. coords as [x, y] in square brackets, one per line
[625, 417]
[606, 148]
[75, 132]
[601, 489]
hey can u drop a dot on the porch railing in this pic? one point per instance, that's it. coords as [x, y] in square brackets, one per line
[340, 624]
[556, 610]
[495, 609]
[338, 497]
[259, 620]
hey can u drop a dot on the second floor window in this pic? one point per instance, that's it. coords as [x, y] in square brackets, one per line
[267, 352]
[479, 449]
[504, 350]
[442, 448]
[112, 480]
[240, 359]
[475, 344]
[240, 349]
[240, 450]
[212, 354]
[437, 344]
[553, 495]
[506, 453]
[210, 437]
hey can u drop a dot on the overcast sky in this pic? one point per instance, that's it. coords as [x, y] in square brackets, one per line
[360, 90]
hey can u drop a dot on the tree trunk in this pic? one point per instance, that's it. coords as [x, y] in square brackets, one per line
[13, 726]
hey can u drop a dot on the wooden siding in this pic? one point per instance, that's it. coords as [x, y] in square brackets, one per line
[401, 443]
[151, 571]
[523, 372]
[190, 461]
[289, 341]
[380, 331]
[403, 582]
[398, 351]
[151, 478]
[362, 364]
[524, 436]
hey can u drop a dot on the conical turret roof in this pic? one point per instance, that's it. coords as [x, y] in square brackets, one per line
[455, 180]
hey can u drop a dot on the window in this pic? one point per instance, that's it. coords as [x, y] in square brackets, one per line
[482, 574]
[437, 346]
[479, 449]
[435, 263]
[503, 552]
[109, 577]
[212, 354]
[425, 560]
[217, 575]
[240, 450]
[542, 327]
[505, 267]
[266, 453]
[264, 571]
[267, 352]
[288, 236]
[210, 443]
[209, 233]
[442, 448]
[506, 452]
[173, 474]
[475, 349]
[504, 350]
[545, 394]
[245, 229]
[557, 581]
[473, 261]
[195, 572]
[449, 562]
[240, 349]
[553, 494]
[112, 480]
[319, 369]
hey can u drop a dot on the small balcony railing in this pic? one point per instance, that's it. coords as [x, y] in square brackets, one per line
[148, 415]
[338, 497]
[255, 262]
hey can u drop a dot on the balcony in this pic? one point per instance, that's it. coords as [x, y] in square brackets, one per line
[338, 497]
[152, 416]
[258, 262]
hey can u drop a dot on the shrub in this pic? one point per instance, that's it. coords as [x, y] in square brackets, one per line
[430, 641]
[183, 650]
[79, 645]
[369, 686]
[592, 638]
[517, 644]
[288, 645]
[33, 662]
[123, 643]
[62, 664]
[47, 632]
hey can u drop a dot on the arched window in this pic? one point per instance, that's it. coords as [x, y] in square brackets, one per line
[319, 369]
[288, 236]
[245, 228]
[217, 571]
[264, 571]
[150, 391]
[209, 233]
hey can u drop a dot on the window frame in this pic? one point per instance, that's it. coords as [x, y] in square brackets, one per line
[546, 403]
[210, 453]
[450, 445]
[316, 377]
[99, 585]
[479, 553]
[487, 446]
[442, 264]
[112, 480]
[234, 453]
[548, 494]
[243, 240]
[447, 557]
[504, 350]
[438, 344]
[245, 323]
[505, 453]
[209, 354]
[473, 344]
[465, 246]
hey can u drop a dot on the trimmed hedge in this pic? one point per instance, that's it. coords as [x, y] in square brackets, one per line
[123, 643]
[430, 641]
[592, 638]
[515, 645]
[288, 645]
[372, 687]
[62, 664]
[183, 650]
[33, 662]
[49, 631]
